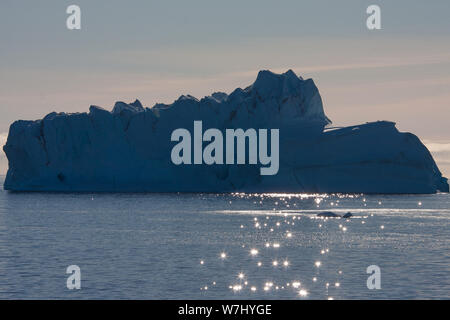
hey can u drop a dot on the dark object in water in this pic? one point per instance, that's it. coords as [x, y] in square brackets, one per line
[347, 215]
[328, 214]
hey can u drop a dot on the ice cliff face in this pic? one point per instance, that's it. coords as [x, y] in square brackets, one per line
[128, 149]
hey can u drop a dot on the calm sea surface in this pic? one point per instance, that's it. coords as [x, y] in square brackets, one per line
[213, 246]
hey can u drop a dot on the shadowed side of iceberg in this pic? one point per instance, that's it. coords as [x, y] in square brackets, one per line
[370, 158]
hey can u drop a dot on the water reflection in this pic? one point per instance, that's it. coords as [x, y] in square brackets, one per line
[274, 233]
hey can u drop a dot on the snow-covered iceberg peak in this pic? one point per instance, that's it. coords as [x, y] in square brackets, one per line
[129, 148]
[120, 106]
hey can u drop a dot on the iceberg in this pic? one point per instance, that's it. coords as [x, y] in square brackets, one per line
[129, 148]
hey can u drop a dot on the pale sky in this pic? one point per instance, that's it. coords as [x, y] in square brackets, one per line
[157, 50]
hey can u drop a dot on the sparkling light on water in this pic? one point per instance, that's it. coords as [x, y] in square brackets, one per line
[237, 287]
[273, 233]
[303, 293]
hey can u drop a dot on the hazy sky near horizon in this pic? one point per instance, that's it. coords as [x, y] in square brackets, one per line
[158, 50]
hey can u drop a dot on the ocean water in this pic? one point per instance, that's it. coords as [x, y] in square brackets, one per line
[223, 246]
